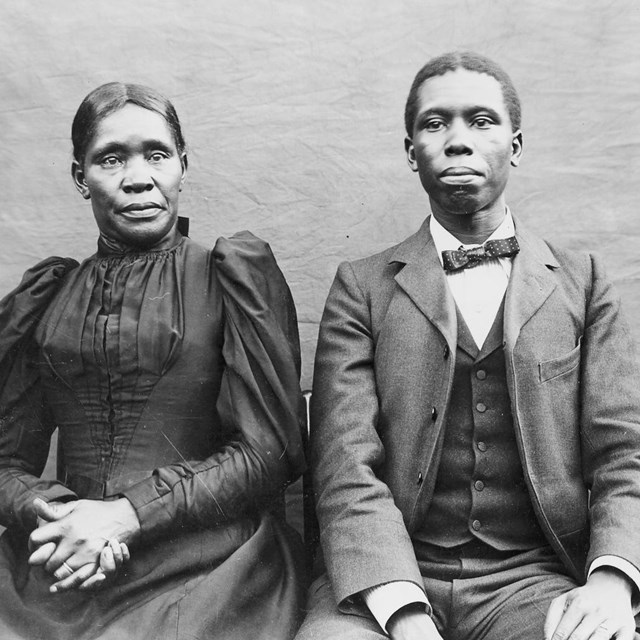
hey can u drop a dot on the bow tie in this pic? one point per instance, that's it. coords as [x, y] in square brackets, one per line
[453, 260]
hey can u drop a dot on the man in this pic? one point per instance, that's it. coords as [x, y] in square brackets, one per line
[476, 409]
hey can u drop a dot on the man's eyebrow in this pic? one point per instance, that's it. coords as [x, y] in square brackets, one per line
[467, 111]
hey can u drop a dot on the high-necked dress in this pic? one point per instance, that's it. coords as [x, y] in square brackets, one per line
[172, 376]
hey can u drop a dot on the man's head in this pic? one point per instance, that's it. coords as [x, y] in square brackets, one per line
[471, 62]
[463, 118]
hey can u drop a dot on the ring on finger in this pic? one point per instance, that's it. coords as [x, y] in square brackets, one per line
[67, 568]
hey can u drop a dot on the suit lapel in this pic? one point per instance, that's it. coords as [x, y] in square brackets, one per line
[530, 284]
[424, 282]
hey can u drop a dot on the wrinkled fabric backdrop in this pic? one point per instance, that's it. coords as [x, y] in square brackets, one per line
[293, 114]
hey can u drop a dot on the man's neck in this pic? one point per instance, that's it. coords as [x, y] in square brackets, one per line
[471, 228]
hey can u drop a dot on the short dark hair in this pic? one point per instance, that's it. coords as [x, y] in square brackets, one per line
[111, 97]
[471, 62]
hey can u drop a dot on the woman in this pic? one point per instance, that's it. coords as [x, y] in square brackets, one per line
[171, 372]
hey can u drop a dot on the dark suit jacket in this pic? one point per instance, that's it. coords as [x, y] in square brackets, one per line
[382, 385]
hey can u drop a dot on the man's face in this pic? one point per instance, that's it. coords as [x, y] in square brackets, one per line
[462, 144]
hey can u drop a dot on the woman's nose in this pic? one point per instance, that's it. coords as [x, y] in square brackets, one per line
[137, 176]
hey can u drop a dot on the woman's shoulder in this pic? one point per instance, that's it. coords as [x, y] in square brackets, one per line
[21, 309]
[43, 279]
[243, 246]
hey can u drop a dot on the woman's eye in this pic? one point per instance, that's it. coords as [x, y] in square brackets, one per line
[110, 161]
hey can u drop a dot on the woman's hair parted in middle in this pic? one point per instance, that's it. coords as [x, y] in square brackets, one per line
[110, 97]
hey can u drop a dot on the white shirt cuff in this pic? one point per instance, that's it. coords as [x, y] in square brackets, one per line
[623, 565]
[385, 599]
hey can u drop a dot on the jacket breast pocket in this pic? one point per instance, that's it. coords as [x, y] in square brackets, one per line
[550, 369]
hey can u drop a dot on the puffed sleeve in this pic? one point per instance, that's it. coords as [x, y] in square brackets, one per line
[25, 424]
[261, 383]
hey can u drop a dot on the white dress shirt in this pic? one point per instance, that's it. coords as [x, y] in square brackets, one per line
[478, 292]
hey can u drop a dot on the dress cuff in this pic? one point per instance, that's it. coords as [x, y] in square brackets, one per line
[385, 599]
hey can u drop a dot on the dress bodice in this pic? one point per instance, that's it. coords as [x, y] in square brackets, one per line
[131, 363]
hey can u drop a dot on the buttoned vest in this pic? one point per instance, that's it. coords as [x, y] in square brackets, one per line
[480, 490]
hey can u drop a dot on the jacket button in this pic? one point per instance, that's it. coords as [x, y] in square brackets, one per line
[419, 479]
[481, 407]
[434, 414]
[481, 374]
[446, 351]
[479, 485]
[482, 446]
[476, 525]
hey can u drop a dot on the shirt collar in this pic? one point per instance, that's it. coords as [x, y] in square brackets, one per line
[446, 241]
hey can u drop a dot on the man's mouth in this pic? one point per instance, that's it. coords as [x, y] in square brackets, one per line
[459, 175]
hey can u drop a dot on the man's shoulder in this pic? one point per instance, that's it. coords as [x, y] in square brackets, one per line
[388, 261]
[555, 253]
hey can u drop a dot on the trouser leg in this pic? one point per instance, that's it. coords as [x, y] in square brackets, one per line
[497, 597]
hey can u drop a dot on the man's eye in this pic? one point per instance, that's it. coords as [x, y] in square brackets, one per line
[433, 125]
[482, 123]
[157, 156]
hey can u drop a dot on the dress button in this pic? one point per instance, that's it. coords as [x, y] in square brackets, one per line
[481, 407]
[476, 525]
[481, 374]
[419, 479]
[479, 485]
[482, 446]
[434, 414]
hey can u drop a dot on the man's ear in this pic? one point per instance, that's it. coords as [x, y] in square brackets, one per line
[411, 153]
[185, 163]
[77, 173]
[516, 148]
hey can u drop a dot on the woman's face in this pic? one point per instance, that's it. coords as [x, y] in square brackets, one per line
[133, 173]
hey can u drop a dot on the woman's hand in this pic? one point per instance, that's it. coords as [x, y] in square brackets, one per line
[92, 576]
[78, 541]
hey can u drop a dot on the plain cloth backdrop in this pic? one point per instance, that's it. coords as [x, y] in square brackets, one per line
[293, 115]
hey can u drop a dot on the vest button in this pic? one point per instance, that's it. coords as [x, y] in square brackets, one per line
[476, 525]
[446, 351]
[482, 446]
[481, 407]
[479, 485]
[481, 374]
[419, 479]
[434, 414]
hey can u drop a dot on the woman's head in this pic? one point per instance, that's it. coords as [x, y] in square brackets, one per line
[130, 161]
[111, 97]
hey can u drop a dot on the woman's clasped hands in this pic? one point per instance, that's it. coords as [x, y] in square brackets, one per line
[82, 543]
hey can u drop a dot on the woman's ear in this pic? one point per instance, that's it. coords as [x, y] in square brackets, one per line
[77, 173]
[185, 163]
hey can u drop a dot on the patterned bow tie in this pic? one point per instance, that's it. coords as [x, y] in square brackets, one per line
[466, 258]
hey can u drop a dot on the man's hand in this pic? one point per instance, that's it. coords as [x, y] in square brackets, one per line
[411, 623]
[78, 541]
[599, 610]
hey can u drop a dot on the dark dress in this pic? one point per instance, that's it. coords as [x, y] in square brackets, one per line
[172, 376]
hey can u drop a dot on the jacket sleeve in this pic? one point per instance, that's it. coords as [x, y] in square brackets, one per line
[25, 424]
[610, 425]
[261, 388]
[364, 539]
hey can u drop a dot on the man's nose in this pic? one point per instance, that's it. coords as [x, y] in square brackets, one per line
[458, 140]
[137, 176]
